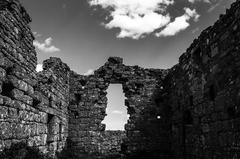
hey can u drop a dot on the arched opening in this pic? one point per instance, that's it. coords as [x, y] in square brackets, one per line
[116, 110]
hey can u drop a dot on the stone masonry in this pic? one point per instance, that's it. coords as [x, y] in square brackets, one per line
[191, 111]
[33, 106]
[204, 93]
[88, 102]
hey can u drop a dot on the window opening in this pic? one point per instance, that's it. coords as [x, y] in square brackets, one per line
[116, 110]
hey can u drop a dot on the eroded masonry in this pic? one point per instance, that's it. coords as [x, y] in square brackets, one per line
[189, 111]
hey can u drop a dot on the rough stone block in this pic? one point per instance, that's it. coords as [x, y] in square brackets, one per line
[3, 112]
[2, 74]
[12, 113]
[6, 131]
[21, 85]
[19, 95]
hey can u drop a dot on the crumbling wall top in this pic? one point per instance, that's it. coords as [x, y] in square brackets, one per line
[11, 5]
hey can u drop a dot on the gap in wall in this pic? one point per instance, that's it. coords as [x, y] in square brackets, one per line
[116, 110]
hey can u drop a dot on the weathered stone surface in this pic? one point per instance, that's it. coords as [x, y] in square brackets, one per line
[24, 99]
[88, 104]
[206, 85]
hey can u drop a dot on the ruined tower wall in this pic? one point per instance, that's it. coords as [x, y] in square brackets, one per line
[53, 89]
[33, 106]
[144, 131]
[204, 93]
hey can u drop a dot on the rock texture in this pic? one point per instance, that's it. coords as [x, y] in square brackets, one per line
[204, 92]
[190, 111]
[144, 131]
[33, 106]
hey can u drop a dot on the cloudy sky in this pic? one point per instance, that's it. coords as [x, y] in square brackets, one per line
[148, 33]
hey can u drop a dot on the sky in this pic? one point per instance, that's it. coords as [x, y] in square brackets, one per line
[148, 33]
[116, 111]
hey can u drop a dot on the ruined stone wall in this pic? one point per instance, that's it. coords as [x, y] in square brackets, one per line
[53, 90]
[204, 93]
[88, 104]
[33, 106]
[111, 142]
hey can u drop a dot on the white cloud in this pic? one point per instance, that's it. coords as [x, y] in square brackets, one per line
[180, 23]
[138, 18]
[39, 67]
[46, 46]
[117, 112]
[135, 18]
[192, 14]
[89, 72]
[36, 34]
[193, 1]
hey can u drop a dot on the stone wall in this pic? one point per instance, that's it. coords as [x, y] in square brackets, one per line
[204, 93]
[111, 142]
[53, 90]
[144, 131]
[33, 106]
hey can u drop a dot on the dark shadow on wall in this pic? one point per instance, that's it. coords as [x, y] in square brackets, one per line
[69, 153]
[22, 151]
[154, 125]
